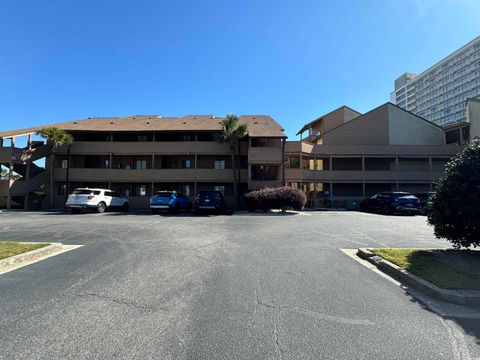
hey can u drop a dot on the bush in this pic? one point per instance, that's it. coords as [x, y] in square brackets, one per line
[282, 198]
[455, 212]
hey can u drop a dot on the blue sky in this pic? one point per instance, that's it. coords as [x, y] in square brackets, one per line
[294, 60]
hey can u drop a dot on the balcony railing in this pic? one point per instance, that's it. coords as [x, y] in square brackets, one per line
[148, 175]
[147, 148]
[368, 175]
[265, 155]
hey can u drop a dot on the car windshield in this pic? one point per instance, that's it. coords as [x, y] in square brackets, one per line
[210, 194]
[400, 195]
[82, 192]
[164, 195]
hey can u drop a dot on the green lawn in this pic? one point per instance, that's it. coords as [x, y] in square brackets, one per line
[8, 248]
[448, 269]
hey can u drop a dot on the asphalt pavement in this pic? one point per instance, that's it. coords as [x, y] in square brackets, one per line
[245, 286]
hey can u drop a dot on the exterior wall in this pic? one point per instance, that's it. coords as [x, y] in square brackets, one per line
[405, 128]
[473, 117]
[368, 129]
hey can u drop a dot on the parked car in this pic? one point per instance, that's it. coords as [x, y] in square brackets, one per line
[169, 200]
[392, 202]
[424, 197]
[210, 201]
[96, 199]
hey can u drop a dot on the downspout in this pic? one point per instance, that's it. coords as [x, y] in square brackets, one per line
[67, 190]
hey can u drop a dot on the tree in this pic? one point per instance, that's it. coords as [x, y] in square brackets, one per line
[232, 132]
[455, 212]
[55, 138]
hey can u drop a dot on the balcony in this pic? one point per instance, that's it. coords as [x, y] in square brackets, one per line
[150, 147]
[344, 175]
[148, 175]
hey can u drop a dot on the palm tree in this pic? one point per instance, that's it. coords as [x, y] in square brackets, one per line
[233, 132]
[55, 138]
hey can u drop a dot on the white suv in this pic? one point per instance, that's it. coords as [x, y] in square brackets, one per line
[99, 199]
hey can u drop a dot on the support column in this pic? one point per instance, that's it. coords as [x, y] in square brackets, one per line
[10, 175]
[27, 170]
[430, 163]
[283, 162]
[363, 189]
[29, 141]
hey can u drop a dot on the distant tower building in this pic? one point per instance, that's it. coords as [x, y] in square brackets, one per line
[439, 93]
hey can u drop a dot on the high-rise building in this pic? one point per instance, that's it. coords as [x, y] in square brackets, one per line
[439, 93]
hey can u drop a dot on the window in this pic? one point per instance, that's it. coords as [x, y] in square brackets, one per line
[219, 164]
[186, 190]
[142, 138]
[107, 164]
[141, 164]
[220, 188]
[64, 164]
[186, 164]
[140, 190]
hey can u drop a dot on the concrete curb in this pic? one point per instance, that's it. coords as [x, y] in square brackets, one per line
[461, 297]
[30, 255]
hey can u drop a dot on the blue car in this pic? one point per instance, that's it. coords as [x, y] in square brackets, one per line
[169, 200]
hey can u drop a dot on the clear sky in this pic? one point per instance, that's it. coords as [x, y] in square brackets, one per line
[294, 60]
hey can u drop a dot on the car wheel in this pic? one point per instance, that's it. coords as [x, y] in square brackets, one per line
[76, 211]
[189, 207]
[386, 210]
[154, 211]
[125, 207]
[101, 207]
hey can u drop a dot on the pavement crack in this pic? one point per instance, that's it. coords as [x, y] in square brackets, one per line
[278, 347]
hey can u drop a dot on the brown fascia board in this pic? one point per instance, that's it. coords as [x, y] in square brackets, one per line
[306, 126]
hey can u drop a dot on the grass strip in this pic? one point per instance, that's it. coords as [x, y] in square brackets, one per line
[9, 248]
[448, 269]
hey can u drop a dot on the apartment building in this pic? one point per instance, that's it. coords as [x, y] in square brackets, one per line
[345, 156]
[139, 155]
[341, 157]
[439, 93]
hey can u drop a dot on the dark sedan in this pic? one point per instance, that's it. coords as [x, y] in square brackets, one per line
[211, 201]
[391, 203]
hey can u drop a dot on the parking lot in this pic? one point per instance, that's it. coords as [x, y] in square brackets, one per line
[244, 286]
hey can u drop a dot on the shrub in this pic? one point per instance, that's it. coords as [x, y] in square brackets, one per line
[455, 212]
[282, 198]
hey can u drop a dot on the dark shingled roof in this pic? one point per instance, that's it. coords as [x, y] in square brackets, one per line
[258, 125]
